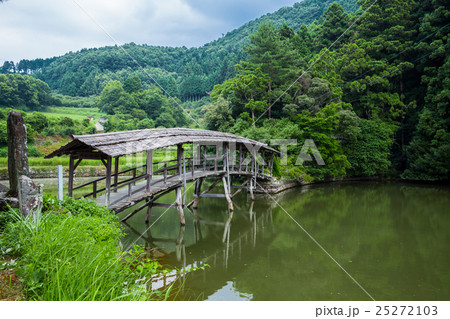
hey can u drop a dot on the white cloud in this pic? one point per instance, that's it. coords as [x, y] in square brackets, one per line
[31, 29]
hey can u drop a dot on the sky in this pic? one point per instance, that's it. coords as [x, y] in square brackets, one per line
[32, 29]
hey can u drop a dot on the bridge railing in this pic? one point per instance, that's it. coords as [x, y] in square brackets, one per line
[165, 171]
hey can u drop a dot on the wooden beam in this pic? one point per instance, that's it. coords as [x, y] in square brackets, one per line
[116, 173]
[179, 158]
[77, 163]
[71, 172]
[108, 181]
[227, 193]
[212, 185]
[240, 157]
[149, 169]
[197, 192]
[184, 177]
[240, 188]
[179, 205]
[213, 195]
[271, 164]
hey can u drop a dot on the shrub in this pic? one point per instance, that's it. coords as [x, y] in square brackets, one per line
[33, 152]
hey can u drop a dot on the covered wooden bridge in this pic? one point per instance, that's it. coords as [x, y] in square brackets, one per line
[210, 154]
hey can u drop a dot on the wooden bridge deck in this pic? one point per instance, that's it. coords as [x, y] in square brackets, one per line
[122, 199]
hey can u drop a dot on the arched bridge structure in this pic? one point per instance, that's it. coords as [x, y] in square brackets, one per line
[196, 155]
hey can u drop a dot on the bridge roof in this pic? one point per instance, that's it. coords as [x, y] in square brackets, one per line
[131, 142]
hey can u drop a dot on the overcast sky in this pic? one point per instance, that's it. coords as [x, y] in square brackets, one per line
[45, 28]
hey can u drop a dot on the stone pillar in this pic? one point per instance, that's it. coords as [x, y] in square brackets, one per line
[17, 150]
[30, 196]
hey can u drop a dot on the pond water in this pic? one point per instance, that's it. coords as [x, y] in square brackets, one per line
[392, 240]
[338, 241]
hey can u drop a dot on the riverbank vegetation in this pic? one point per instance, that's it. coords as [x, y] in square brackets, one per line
[72, 251]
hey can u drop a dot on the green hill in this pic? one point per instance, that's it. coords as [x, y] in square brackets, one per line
[182, 72]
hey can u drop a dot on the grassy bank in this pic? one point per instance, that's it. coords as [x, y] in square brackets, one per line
[73, 252]
[75, 113]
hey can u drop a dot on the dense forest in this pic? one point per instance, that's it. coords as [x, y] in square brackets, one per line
[371, 88]
[182, 72]
[367, 80]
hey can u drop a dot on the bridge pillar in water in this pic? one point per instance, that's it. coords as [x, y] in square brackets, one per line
[179, 204]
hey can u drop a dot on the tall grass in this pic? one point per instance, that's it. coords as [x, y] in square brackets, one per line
[75, 255]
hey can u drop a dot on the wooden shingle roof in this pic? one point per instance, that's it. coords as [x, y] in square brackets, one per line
[131, 142]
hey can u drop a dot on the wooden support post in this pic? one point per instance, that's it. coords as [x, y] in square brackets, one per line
[71, 173]
[197, 192]
[180, 206]
[149, 171]
[271, 164]
[129, 192]
[116, 173]
[134, 175]
[165, 174]
[179, 158]
[108, 181]
[94, 189]
[263, 153]
[226, 164]
[240, 189]
[240, 158]
[184, 178]
[227, 193]
[149, 209]
[204, 157]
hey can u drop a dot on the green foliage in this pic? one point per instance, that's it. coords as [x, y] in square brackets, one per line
[34, 152]
[370, 150]
[3, 132]
[218, 115]
[24, 92]
[72, 253]
[276, 171]
[322, 128]
[150, 107]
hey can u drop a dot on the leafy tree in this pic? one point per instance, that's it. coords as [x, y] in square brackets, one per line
[3, 132]
[218, 115]
[322, 128]
[248, 90]
[336, 21]
[166, 120]
[37, 121]
[114, 99]
[370, 151]
[132, 84]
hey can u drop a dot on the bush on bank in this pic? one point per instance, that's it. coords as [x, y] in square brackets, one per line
[72, 252]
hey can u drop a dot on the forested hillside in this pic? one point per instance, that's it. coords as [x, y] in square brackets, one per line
[370, 87]
[182, 72]
[376, 103]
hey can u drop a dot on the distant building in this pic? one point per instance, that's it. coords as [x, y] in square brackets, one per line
[103, 119]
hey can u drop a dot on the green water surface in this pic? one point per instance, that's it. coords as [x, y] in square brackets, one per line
[346, 241]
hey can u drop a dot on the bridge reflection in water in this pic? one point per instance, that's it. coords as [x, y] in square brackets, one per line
[209, 238]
